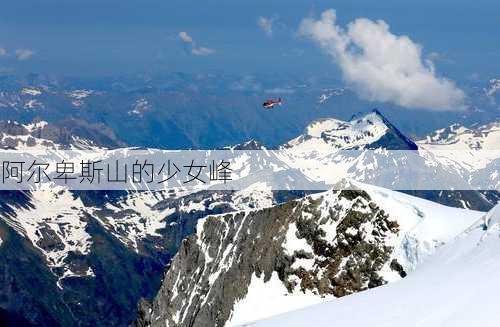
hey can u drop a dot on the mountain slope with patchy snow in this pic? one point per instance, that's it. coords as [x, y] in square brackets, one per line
[306, 251]
[457, 286]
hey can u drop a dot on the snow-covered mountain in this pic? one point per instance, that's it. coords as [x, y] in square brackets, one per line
[331, 150]
[458, 137]
[457, 286]
[248, 265]
[366, 132]
[248, 145]
[112, 247]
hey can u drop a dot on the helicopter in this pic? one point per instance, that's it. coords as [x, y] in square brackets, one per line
[270, 103]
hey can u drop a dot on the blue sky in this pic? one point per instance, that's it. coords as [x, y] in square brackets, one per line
[119, 37]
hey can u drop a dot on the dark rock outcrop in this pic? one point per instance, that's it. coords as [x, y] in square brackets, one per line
[213, 269]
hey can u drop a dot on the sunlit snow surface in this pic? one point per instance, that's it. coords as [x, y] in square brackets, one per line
[457, 286]
[267, 298]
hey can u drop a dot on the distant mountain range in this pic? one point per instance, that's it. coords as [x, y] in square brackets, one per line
[213, 110]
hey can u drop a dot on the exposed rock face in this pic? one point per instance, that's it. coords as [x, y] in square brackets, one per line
[344, 245]
[393, 139]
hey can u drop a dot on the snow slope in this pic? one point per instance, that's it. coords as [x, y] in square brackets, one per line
[469, 149]
[458, 286]
[424, 227]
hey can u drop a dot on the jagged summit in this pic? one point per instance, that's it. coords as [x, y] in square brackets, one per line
[394, 139]
[372, 130]
[251, 144]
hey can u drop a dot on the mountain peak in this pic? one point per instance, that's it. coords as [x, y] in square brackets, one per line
[371, 130]
[394, 139]
[251, 144]
[378, 113]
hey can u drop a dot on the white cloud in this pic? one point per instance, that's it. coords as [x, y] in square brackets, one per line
[381, 66]
[193, 47]
[202, 51]
[185, 37]
[3, 52]
[266, 24]
[24, 54]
